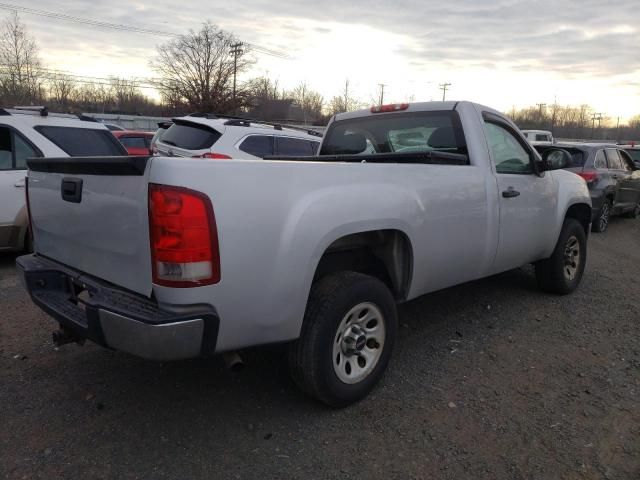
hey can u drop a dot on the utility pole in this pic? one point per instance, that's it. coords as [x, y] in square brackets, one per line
[444, 87]
[236, 49]
[540, 107]
[382, 85]
[594, 117]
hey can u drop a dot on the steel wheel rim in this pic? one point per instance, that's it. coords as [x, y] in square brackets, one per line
[604, 216]
[571, 258]
[358, 343]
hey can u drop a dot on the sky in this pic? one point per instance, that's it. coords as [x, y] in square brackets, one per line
[504, 54]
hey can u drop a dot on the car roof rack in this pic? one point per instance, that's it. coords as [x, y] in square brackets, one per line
[246, 122]
[43, 111]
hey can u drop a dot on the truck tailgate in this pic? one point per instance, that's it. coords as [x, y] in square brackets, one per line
[92, 215]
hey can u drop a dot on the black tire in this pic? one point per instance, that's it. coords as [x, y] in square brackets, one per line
[552, 274]
[604, 215]
[635, 213]
[311, 361]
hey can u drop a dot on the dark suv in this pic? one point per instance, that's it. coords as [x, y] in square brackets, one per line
[612, 178]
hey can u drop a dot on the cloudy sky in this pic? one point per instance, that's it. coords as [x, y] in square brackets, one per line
[501, 53]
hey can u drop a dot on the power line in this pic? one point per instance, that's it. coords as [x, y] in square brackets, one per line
[119, 26]
[444, 87]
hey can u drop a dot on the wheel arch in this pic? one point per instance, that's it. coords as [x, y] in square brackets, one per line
[582, 213]
[386, 254]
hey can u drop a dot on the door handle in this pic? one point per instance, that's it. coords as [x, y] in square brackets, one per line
[19, 184]
[510, 193]
[71, 189]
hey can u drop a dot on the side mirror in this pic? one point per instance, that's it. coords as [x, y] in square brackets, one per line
[556, 158]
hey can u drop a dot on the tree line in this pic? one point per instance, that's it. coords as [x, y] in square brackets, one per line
[197, 71]
[575, 122]
[200, 71]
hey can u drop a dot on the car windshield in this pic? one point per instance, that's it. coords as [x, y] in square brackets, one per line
[400, 133]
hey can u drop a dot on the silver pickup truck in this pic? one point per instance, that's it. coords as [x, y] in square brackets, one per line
[170, 258]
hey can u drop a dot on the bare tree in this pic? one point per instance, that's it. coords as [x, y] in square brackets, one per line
[61, 89]
[198, 69]
[344, 102]
[20, 79]
[310, 101]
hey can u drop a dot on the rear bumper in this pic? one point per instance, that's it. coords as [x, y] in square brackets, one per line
[117, 318]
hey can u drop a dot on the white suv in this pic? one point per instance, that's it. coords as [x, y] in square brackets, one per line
[214, 136]
[34, 132]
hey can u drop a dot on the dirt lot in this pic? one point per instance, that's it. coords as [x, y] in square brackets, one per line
[491, 379]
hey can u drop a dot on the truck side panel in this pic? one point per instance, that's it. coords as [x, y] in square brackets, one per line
[275, 223]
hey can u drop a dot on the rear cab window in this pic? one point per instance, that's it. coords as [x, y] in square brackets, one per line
[190, 136]
[82, 142]
[405, 132]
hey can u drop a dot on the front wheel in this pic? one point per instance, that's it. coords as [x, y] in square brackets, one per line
[347, 337]
[562, 271]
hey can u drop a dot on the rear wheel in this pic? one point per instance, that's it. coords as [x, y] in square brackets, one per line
[347, 337]
[602, 222]
[562, 271]
[635, 213]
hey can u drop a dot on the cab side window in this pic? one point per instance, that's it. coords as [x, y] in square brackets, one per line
[600, 161]
[14, 150]
[508, 154]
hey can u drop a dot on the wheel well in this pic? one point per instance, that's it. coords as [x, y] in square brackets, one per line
[582, 213]
[384, 254]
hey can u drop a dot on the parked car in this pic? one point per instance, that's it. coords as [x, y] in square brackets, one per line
[538, 137]
[634, 153]
[113, 127]
[213, 136]
[34, 132]
[314, 251]
[614, 184]
[136, 142]
[162, 129]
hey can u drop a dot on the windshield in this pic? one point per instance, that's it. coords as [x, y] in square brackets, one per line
[396, 133]
[635, 154]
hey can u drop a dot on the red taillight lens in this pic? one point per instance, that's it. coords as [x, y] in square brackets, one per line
[184, 238]
[217, 156]
[393, 107]
[590, 176]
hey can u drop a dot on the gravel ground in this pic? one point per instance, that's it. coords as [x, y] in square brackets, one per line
[491, 379]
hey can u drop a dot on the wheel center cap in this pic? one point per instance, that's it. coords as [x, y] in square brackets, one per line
[354, 340]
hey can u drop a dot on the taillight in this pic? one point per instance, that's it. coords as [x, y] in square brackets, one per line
[590, 176]
[392, 107]
[184, 237]
[217, 156]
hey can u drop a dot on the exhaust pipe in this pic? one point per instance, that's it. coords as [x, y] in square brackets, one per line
[62, 337]
[233, 361]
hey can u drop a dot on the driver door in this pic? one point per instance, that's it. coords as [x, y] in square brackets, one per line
[526, 200]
